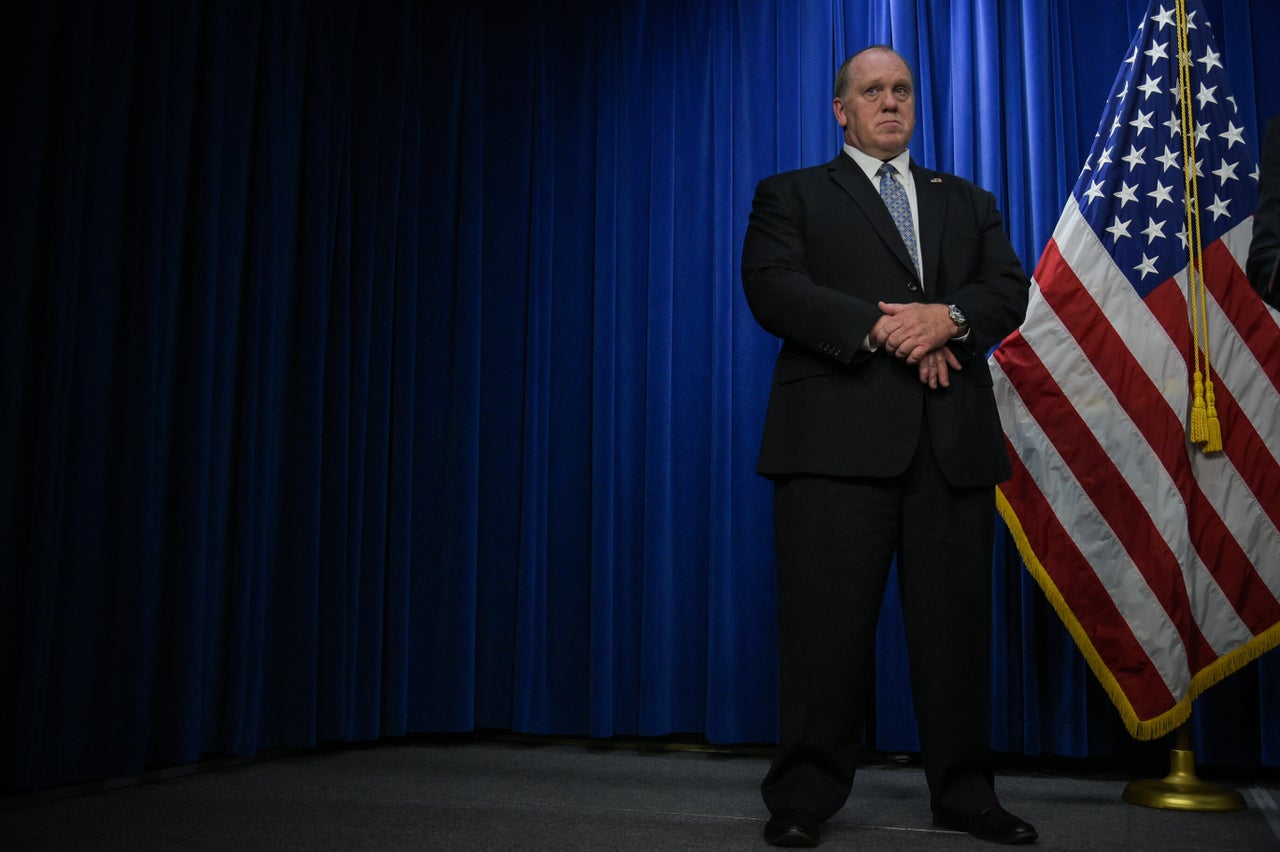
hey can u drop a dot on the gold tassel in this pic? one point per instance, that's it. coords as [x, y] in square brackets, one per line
[1214, 436]
[1199, 425]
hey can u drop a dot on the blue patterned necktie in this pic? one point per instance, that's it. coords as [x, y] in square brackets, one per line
[895, 198]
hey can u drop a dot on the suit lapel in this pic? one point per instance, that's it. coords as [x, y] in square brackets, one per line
[931, 199]
[845, 172]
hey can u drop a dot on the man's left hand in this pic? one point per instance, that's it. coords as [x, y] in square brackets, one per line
[935, 367]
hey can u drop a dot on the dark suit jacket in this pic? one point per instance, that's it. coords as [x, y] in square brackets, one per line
[820, 250]
[1264, 252]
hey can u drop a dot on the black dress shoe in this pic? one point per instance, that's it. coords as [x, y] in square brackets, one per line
[993, 823]
[794, 829]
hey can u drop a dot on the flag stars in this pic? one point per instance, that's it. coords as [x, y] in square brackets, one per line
[1118, 229]
[1226, 171]
[1256, 174]
[1196, 133]
[1206, 96]
[1126, 194]
[1210, 59]
[1169, 159]
[1233, 135]
[1154, 230]
[1148, 266]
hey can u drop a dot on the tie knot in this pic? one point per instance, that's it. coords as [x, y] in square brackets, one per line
[887, 169]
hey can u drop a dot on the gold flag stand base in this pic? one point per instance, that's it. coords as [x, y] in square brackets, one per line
[1181, 790]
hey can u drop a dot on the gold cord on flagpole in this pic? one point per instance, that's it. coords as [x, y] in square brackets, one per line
[1204, 427]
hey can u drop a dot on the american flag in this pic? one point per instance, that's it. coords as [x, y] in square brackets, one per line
[1162, 558]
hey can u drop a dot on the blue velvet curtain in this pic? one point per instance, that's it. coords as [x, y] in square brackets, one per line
[370, 368]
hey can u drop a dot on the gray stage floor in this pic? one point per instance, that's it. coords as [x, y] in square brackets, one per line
[485, 794]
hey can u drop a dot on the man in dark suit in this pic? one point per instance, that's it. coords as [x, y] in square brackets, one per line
[1263, 265]
[882, 436]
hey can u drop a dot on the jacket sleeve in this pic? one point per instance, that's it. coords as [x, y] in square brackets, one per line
[782, 295]
[1264, 251]
[993, 293]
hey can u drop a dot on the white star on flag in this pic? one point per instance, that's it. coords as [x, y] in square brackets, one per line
[1232, 134]
[1226, 171]
[1205, 96]
[1210, 60]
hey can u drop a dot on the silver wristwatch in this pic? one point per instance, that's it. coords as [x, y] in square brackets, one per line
[958, 317]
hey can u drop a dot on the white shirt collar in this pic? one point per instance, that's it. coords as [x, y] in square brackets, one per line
[870, 165]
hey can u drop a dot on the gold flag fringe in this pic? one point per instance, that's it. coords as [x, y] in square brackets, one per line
[1139, 728]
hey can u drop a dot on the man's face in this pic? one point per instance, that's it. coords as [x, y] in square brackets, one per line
[877, 111]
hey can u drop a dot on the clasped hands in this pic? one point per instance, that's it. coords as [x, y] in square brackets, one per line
[918, 333]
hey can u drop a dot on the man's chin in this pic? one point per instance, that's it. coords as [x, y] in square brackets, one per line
[896, 142]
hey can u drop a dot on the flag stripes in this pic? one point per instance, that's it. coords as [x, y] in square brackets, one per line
[1184, 567]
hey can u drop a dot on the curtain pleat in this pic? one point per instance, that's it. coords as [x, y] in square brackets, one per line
[376, 369]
